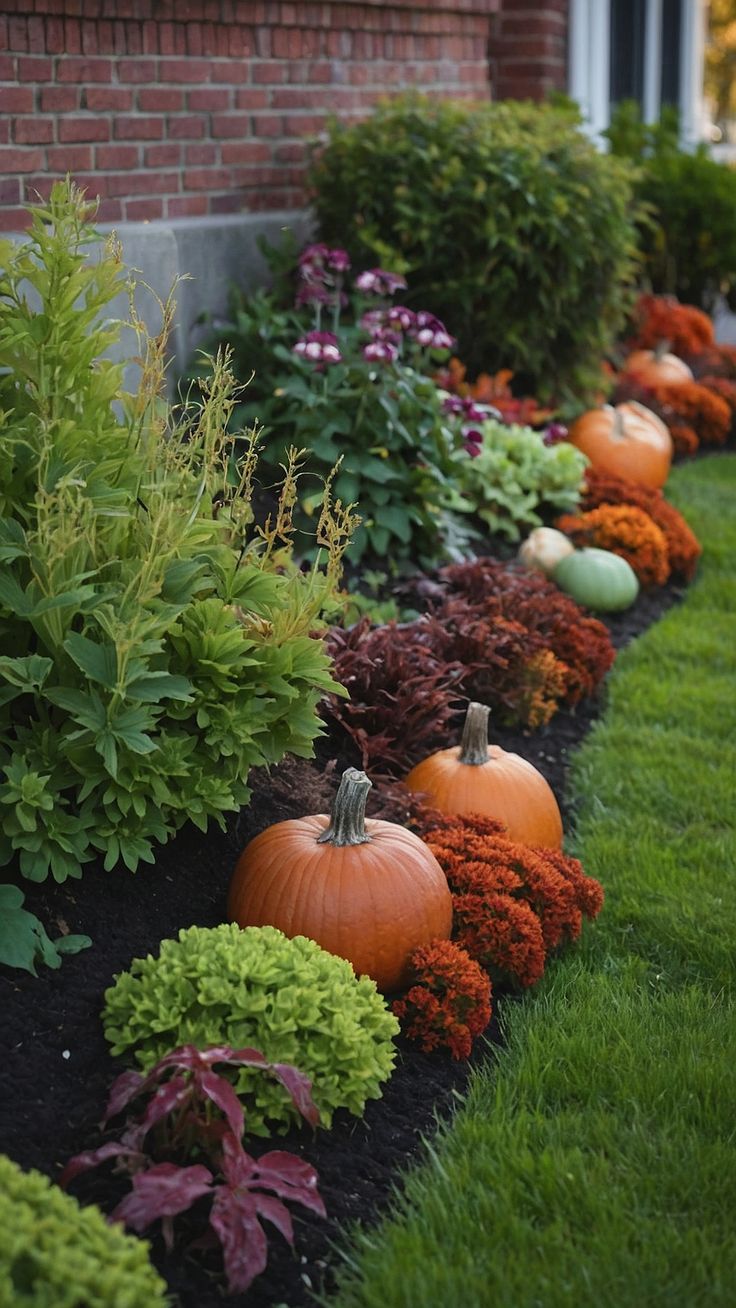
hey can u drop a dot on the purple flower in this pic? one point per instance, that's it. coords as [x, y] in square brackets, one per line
[403, 319]
[318, 347]
[316, 262]
[376, 281]
[374, 321]
[430, 333]
[472, 441]
[314, 293]
[380, 351]
[464, 406]
[554, 433]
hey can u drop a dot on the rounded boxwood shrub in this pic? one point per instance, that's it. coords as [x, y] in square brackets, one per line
[507, 221]
[54, 1252]
[256, 988]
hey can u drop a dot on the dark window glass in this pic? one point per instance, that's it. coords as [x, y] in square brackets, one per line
[628, 19]
[671, 34]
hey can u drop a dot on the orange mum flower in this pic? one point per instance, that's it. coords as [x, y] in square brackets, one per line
[659, 318]
[450, 1001]
[625, 530]
[709, 415]
[683, 547]
[511, 904]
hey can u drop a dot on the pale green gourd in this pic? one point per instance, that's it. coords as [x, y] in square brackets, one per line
[598, 579]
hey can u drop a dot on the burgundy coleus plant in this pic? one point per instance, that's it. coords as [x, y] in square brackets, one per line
[192, 1109]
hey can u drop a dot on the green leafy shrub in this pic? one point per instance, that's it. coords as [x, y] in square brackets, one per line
[156, 643]
[359, 393]
[53, 1252]
[688, 240]
[23, 939]
[506, 220]
[289, 998]
[515, 474]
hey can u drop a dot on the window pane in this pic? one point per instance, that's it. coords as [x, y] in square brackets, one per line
[671, 35]
[627, 50]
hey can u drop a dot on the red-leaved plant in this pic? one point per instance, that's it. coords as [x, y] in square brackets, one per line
[193, 1110]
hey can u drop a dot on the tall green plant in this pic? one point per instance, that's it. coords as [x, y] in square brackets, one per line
[156, 643]
[507, 221]
[688, 238]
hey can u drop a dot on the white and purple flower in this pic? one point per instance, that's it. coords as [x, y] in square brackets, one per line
[317, 262]
[377, 281]
[430, 333]
[318, 347]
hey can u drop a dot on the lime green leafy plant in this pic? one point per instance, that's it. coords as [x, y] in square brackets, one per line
[55, 1252]
[156, 642]
[515, 475]
[291, 999]
[506, 221]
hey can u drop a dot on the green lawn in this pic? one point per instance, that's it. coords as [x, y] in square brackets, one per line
[594, 1164]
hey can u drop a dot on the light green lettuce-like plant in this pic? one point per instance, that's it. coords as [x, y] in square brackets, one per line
[290, 999]
[55, 1252]
[515, 476]
[156, 643]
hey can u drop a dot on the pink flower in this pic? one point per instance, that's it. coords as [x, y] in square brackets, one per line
[374, 321]
[376, 281]
[430, 333]
[381, 351]
[318, 347]
[464, 406]
[316, 262]
[403, 319]
[554, 433]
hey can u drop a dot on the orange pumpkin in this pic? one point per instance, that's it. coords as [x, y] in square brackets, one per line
[628, 441]
[654, 366]
[367, 890]
[476, 777]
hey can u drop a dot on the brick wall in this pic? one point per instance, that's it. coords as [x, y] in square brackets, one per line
[528, 49]
[176, 108]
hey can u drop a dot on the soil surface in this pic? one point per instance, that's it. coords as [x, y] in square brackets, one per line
[55, 1069]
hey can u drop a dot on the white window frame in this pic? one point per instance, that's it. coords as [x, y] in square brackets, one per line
[589, 64]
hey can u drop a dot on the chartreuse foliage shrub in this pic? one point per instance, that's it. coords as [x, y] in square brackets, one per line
[290, 999]
[53, 1252]
[688, 238]
[156, 644]
[506, 220]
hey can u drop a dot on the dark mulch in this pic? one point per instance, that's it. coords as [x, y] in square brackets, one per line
[55, 1070]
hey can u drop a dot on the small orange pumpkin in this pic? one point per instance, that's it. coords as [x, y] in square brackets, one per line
[658, 365]
[367, 890]
[626, 441]
[476, 777]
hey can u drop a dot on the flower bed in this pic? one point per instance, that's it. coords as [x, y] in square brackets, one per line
[229, 602]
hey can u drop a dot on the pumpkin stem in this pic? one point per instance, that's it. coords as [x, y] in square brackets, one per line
[474, 743]
[660, 349]
[347, 825]
[618, 431]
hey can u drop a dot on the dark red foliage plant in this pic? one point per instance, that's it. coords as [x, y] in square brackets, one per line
[552, 619]
[192, 1111]
[449, 1002]
[403, 694]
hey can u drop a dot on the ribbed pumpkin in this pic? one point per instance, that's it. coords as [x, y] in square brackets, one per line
[367, 890]
[658, 365]
[476, 777]
[628, 441]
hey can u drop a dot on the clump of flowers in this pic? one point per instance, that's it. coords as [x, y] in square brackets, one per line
[626, 530]
[725, 387]
[494, 391]
[472, 850]
[661, 318]
[583, 644]
[683, 547]
[449, 1002]
[715, 361]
